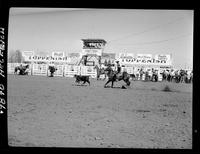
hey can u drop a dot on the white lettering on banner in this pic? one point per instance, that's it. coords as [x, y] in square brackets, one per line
[92, 52]
[144, 62]
[46, 59]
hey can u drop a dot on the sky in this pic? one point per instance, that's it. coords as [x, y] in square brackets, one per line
[45, 30]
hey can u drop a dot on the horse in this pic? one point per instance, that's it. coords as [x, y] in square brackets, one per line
[113, 76]
[52, 69]
[22, 69]
[16, 69]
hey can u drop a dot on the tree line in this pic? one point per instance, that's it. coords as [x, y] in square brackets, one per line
[15, 57]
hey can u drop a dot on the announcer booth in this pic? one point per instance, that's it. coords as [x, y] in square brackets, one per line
[92, 51]
[91, 56]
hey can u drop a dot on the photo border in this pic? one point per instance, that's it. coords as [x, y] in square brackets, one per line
[4, 11]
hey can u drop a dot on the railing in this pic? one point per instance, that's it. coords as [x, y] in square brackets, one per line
[62, 70]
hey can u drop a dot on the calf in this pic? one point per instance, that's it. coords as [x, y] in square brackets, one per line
[84, 78]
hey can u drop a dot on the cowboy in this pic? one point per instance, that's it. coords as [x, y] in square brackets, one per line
[117, 67]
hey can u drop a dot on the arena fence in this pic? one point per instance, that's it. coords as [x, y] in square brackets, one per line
[67, 70]
[62, 70]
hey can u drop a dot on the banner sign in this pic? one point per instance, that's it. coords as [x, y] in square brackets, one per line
[126, 55]
[136, 61]
[46, 59]
[97, 52]
[58, 54]
[163, 57]
[144, 56]
[147, 59]
[27, 54]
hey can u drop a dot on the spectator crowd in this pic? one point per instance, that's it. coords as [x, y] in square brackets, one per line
[169, 75]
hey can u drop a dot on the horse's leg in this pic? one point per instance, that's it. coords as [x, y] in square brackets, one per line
[107, 82]
[104, 77]
[112, 83]
[98, 75]
[88, 82]
[83, 82]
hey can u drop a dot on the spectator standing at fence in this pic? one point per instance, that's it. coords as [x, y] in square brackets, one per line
[156, 75]
[168, 76]
[149, 75]
[172, 75]
[182, 73]
[153, 74]
[85, 60]
[164, 75]
[146, 75]
[176, 75]
[137, 74]
[141, 73]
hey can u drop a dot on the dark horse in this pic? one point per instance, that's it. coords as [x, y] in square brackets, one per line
[22, 69]
[113, 76]
[52, 69]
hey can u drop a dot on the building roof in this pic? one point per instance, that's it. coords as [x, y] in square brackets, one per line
[94, 40]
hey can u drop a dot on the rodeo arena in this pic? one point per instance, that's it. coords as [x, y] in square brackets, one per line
[99, 99]
[92, 61]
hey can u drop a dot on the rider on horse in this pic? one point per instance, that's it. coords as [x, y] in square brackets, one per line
[115, 75]
[118, 67]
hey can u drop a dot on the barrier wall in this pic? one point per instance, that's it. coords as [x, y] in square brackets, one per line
[160, 77]
[11, 67]
[88, 70]
[39, 69]
[59, 71]
[129, 70]
[68, 70]
[71, 70]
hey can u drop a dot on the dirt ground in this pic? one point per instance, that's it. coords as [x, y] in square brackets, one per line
[54, 112]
